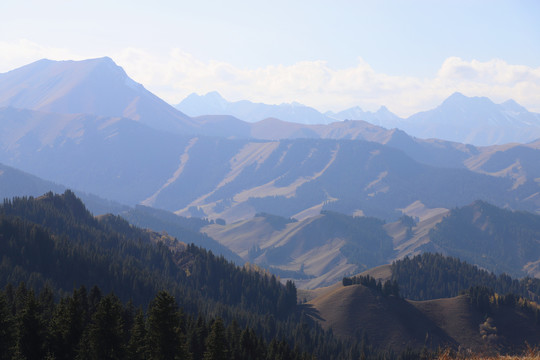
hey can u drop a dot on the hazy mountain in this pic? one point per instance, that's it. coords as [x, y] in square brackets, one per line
[14, 182]
[214, 104]
[475, 120]
[382, 117]
[116, 158]
[468, 120]
[95, 86]
[123, 160]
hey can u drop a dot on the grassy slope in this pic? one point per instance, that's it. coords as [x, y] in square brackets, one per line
[397, 323]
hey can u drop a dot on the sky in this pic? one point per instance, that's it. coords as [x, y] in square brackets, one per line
[331, 55]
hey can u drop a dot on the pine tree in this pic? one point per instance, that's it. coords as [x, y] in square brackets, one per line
[137, 348]
[30, 343]
[107, 330]
[6, 329]
[216, 344]
[165, 341]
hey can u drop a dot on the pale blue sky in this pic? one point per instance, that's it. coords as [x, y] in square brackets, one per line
[400, 39]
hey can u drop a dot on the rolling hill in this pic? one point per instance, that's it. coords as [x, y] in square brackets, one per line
[314, 252]
[351, 311]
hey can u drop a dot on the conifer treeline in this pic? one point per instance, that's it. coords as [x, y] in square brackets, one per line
[91, 326]
[432, 276]
[53, 244]
[389, 287]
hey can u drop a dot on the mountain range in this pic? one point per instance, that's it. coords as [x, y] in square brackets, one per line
[309, 202]
[469, 120]
[214, 104]
[234, 169]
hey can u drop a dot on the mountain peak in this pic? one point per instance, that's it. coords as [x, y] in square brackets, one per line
[214, 95]
[458, 99]
[512, 105]
[93, 86]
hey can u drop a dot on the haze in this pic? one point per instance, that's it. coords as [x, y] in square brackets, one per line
[408, 56]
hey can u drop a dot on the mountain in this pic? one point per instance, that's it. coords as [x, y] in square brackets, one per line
[214, 104]
[475, 120]
[95, 86]
[128, 162]
[382, 117]
[461, 119]
[112, 157]
[52, 246]
[14, 182]
[332, 167]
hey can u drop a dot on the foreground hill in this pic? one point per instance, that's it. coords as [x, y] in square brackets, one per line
[357, 310]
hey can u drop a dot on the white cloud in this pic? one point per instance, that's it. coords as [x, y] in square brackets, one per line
[17, 53]
[175, 75]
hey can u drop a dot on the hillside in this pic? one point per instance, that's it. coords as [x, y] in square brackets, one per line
[319, 250]
[184, 229]
[351, 311]
[314, 252]
[496, 239]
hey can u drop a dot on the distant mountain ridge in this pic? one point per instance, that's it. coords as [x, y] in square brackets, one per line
[469, 120]
[214, 104]
[475, 120]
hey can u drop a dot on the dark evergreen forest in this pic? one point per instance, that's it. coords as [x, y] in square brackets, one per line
[54, 250]
[432, 276]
